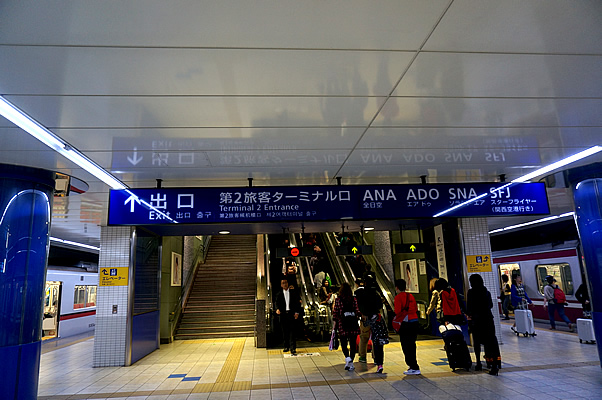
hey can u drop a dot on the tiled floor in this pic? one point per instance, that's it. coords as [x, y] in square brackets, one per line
[549, 366]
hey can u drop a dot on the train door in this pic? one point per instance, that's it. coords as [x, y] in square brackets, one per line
[52, 306]
[510, 270]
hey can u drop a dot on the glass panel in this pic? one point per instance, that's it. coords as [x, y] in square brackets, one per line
[146, 287]
[91, 301]
[561, 272]
[79, 297]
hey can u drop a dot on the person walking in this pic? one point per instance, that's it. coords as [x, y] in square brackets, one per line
[370, 303]
[506, 292]
[345, 315]
[582, 296]
[364, 326]
[478, 310]
[518, 296]
[288, 308]
[555, 300]
[435, 303]
[450, 305]
[406, 312]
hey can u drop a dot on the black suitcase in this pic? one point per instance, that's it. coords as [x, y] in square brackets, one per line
[458, 355]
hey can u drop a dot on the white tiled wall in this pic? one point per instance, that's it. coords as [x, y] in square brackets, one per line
[476, 242]
[110, 334]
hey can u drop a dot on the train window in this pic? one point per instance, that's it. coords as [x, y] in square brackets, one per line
[509, 270]
[561, 272]
[91, 300]
[84, 296]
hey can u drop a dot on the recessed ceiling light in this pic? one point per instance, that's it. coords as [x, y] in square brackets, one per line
[224, 232]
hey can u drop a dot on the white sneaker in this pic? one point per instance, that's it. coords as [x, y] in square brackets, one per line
[347, 362]
[351, 367]
[412, 372]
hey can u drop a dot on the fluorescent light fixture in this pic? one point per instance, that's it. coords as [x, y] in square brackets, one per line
[529, 176]
[559, 164]
[224, 232]
[369, 228]
[31, 126]
[537, 221]
[69, 242]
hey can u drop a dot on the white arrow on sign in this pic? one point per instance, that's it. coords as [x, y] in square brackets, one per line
[135, 160]
[131, 200]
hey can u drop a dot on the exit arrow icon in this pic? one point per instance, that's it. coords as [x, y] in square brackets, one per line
[131, 200]
[412, 248]
[135, 160]
[354, 250]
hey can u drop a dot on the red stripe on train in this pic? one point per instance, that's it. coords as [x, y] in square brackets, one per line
[537, 256]
[78, 315]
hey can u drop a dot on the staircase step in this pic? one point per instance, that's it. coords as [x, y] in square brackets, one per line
[221, 302]
[214, 335]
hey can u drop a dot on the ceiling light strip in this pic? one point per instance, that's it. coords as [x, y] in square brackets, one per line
[31, 126]
[558, 164]
[69, 242]
[537, 221]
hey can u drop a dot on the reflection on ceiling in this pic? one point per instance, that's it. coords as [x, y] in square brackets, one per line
[206, 95]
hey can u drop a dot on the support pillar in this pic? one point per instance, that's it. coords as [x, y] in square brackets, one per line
[112, 341]
[25, 204]
[382, 251]
[588, 212]
[475, 242]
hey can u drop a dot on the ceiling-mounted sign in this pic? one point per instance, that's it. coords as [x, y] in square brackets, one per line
[409, 248]
[353, 250]
[324, 203]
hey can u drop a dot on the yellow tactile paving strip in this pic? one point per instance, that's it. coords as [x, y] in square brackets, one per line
[225, 379]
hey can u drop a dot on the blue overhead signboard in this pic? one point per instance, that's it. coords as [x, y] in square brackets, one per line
[324, 203]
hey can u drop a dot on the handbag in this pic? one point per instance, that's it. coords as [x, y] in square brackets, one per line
[334, 341]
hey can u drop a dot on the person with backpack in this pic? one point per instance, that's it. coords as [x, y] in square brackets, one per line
[406, 324]
[452, 311]
[555, 300]
[345, 315]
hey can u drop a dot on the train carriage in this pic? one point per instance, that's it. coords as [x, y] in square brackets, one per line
[535, 263]
[69, 302]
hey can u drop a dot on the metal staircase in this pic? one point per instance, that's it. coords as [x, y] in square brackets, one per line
[222, 300]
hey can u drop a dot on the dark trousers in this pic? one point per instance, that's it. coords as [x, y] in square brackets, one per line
[288, 324]
[378, 351]
[408, 333]
[349, 352]
[560, 308]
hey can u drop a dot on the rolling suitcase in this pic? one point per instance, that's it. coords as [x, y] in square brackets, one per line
[524, 323]
[585, 329]
[458, 355]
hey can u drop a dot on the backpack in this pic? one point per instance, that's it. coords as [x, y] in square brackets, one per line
[559, 296]
[349, 323]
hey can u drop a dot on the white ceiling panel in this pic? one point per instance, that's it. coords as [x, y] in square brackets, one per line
[517, 26]
[299, 92]
[502, 75]
[184, 112]
[493, 112]
[354, 24]
[190, 72]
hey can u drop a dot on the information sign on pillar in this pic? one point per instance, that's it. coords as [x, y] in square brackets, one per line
[440, 246]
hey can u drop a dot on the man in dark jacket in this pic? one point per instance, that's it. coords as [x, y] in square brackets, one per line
[370, 303]
[288, 307]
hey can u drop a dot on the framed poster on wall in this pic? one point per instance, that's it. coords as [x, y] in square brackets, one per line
[176, 269]
[409, 272]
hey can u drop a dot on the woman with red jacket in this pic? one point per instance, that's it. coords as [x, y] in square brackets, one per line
[452, 313]
[406, 311]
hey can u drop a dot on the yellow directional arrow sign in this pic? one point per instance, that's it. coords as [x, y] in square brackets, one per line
[413, 248]
[354, 250]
